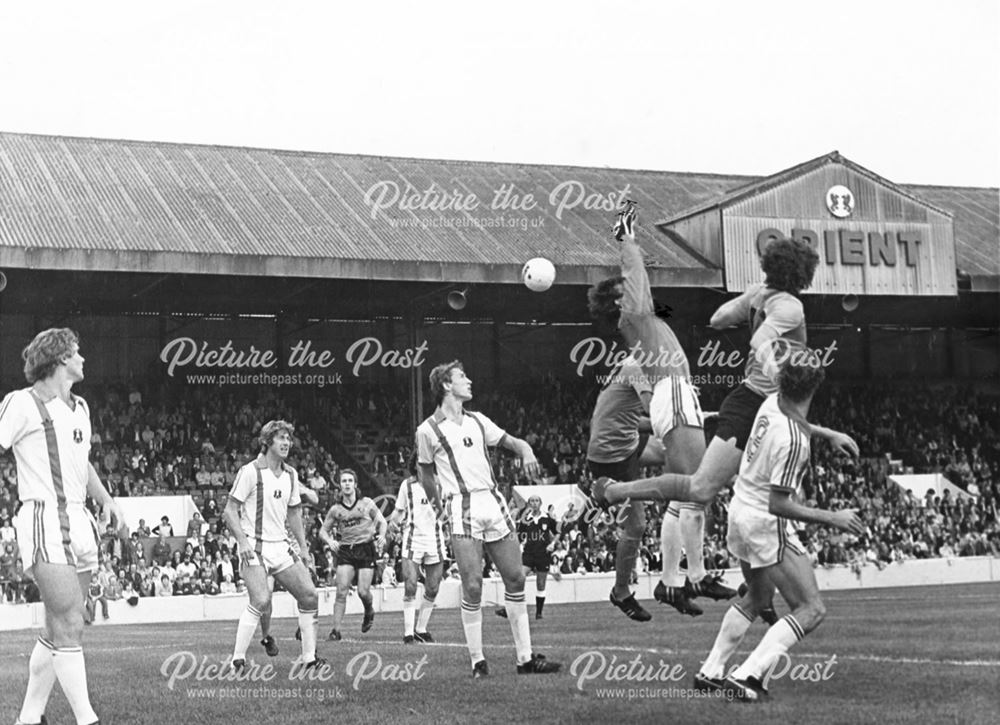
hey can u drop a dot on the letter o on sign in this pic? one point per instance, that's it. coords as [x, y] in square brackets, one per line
[766, 237]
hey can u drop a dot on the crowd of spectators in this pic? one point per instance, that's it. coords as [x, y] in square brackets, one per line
[161, 444]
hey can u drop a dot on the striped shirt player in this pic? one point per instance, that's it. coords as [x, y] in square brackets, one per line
[51, 444]
[48, 429]
[453, 461]
[264, 500]
[460, 455]
[776, 457]
[422, 536]
[764, 501]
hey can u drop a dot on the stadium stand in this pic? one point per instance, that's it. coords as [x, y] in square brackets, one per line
[144, 445]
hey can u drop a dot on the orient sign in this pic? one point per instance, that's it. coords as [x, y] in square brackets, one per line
[852, 246]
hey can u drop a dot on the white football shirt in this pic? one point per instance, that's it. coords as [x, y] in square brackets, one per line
[776, 456]
[265, 499]
[459, 451]
[49, 465]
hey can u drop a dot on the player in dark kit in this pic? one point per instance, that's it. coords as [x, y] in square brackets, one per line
[361, 530]
[539, 534]
[655, 380]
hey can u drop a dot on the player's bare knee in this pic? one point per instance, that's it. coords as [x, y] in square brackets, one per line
[410, 590]
[342, 594]
[430, 592]
[67, 627]
[473, 592]
[308, 600]
[515, 582]
[261, 604]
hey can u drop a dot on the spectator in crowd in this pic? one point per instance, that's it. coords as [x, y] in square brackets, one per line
[164, 527]
[95, 594]
[161, 550]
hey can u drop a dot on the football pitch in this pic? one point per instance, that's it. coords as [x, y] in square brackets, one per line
[918, 655]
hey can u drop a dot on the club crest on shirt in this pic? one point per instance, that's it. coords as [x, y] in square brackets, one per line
[277, 493]
[77, 435]
[756, 437]
[467, 442]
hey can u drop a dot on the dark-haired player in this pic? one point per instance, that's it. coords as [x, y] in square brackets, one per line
[764, 501]
[671, 401]
[264, 504]
[360, 537]
[778, 326]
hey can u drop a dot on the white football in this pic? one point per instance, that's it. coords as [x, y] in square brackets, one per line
[538, 274]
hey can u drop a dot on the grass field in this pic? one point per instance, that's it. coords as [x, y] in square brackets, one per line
[920, 655]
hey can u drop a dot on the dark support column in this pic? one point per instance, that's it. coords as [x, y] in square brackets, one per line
[497, 330]
[280, 323]
[414, 329]
[866, 351]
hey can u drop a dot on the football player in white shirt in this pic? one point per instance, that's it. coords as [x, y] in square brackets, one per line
[764, 501]
[48, 429]
[416, 525]
[453, 444]
[264, 500]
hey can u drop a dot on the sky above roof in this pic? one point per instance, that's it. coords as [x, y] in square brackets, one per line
[907, 89]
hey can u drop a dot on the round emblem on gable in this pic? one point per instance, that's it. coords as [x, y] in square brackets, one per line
[840, 201]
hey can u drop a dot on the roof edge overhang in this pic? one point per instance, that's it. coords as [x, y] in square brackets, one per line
[91, 260]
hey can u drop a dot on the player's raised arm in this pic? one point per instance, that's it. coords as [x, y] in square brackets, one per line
[734, 312]
[636, 296]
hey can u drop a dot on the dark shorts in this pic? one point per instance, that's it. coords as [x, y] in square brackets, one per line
[536, 560]
[360, 556]
[626, 470]
[737, 414]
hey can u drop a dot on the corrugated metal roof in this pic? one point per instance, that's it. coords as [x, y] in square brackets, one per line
[108, 204]
[160, 199]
